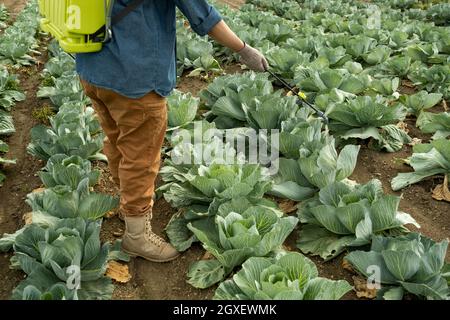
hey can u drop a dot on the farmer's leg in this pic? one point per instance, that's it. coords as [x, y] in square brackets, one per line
[110, 129]
[142, 125]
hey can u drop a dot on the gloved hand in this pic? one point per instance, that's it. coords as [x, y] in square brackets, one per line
[253, 59]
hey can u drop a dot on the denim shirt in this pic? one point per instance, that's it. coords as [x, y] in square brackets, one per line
[141, 57]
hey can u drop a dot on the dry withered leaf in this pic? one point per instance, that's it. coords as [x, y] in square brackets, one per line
[361, 288]
[347, 266]
[207, 256]
[111, 214]
[444, 104]
[38, 190]
[28, 218]
[287, 247]
[118, 233]
[118, 272]
[442, 192]
[408, 84]
[415, 141]
[288, 206]
[403, 126]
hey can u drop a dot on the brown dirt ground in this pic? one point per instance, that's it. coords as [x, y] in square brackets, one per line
[168, 281]
[14, 6]
[21, 178]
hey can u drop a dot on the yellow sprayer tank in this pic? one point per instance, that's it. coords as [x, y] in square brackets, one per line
[73, 22]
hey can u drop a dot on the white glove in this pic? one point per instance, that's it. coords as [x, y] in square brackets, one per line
[253, 59]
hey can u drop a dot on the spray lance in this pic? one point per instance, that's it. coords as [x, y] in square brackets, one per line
[301, 95]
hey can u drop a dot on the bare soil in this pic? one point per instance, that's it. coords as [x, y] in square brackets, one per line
[21, 178]
[14, 6]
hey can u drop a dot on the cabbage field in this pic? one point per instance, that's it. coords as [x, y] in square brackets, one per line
[357, 208]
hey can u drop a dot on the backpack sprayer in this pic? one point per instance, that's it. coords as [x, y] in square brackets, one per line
[81, 26]
[300, 95]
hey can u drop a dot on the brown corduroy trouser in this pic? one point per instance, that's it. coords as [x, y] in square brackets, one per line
[134, 130]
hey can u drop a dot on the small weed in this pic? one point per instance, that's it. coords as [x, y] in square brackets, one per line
[48, 81]
[43, 114]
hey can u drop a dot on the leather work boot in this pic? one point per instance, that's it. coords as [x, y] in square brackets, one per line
[139, 240]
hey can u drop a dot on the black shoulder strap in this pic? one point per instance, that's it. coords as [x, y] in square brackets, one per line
[96, 36]
[128, 9]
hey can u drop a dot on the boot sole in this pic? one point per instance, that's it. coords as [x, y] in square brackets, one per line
[135, 255]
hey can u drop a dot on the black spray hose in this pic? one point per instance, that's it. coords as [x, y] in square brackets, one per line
[300, 95]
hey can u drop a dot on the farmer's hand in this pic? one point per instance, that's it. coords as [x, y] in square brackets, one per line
[253, 59]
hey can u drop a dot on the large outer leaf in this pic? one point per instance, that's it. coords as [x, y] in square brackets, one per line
[365, 262]
[276, 236]
[228, 290]
[291, 190]
[325, 289]
[298, 267]
[203, 274]
[248, 278]
[350, 215]
[318, 241]
[403, 180]
[327, 217]
[6, 124]
[346, 162]
[401, 264]
[101, 289]
[435, 289]
[383, 212]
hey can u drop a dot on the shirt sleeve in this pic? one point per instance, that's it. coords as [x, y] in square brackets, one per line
[201, 15]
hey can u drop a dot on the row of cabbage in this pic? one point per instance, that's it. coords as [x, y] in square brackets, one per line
[378, 46]
[17, 41]
[223, 206]
[59, 249]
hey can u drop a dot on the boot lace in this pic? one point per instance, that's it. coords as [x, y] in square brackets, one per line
[150, 235]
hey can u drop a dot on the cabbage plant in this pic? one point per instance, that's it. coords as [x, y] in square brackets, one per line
[347, 215]
[47, 256]
[68, 171]
[427, 160]
[74, 131]
[204, 183]
[420, 101]
[311, 160]
[368, 117]
[181, 237]
[324, 81]
[437, 123]
[66, 88]
[435, 79]
[207, 65]
[6, 123]
[322, 166]
[190, 48]
[9, 91]
[426, 53]
[396, 66]
[439, 13]
[4, 148]
[235, 234]
[410, 264]
[289, 276]
[257, 82]
[59, 65]
[60, 202]
[182, 109]
[284, 60]
[18, 40]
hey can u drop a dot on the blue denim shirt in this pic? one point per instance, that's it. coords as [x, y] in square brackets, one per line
[141, 57]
